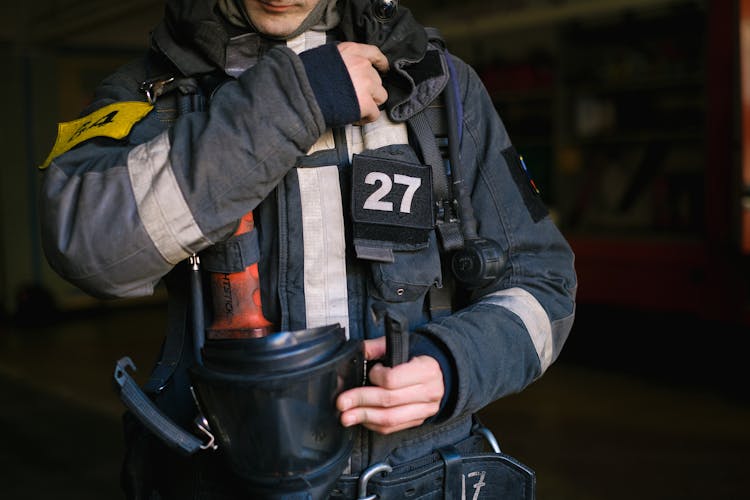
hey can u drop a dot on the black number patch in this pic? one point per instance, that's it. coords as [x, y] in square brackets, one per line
[391, 200]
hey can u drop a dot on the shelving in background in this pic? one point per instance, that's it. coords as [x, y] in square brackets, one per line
[626, 120]
[631, 133]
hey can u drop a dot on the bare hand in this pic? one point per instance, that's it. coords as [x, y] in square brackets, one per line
[363, 63]
[401, 397]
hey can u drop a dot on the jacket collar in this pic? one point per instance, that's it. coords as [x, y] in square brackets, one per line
[193, 35]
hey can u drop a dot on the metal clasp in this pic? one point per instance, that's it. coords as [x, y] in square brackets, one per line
[202, 424]
[365, 477]
[489, 436]
[194, 261]
[154, 87]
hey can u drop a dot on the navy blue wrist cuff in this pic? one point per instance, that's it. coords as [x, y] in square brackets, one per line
[422, 345]
[331, 84]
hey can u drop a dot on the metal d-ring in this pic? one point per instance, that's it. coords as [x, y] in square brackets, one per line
[365, 477]
[489, 436]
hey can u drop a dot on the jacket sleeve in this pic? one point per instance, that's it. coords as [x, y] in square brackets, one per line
[513, 329]
[117, 215]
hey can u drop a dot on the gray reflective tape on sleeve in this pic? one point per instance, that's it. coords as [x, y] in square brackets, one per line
[326, 298]
[163, 210]
[532, 315]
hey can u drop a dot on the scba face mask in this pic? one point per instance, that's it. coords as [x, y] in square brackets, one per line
[270, 402]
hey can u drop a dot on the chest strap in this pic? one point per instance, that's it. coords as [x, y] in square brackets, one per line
[426, 130]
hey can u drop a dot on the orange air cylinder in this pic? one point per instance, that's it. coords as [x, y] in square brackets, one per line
[236, 300]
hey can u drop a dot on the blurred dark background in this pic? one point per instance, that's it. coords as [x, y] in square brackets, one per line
[631, 116]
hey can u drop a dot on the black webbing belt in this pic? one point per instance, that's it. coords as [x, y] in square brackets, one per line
[450, 473]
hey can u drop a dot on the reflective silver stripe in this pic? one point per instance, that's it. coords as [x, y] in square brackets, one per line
[354, 142]
[163, 210]
[306, 41]
[326, 299]
[532, 314]
[381, 132]
[325, 142]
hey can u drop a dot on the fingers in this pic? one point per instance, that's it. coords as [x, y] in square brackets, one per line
[390, 420]
[400, 397]
[363, 63]
[387, 411]
[377, 397]
[379, 94]
[375, 56]
[369, 52]
[417, 371]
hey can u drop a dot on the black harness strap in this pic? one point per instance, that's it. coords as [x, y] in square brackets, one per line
[428, 128]
[423, 133]
[425, 130]
[233, 255]
[174, 342]
[452, 487]
[172, 348]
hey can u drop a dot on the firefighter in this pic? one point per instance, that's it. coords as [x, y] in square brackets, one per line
[300, 112]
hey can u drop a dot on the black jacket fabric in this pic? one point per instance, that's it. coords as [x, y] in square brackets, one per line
[121, 216]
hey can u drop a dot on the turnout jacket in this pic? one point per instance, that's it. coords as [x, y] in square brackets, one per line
[122, 215]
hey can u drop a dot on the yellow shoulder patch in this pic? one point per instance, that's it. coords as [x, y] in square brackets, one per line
[114, 120]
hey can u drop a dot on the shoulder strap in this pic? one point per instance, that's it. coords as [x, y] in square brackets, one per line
[176, 96]
[425, 132]
[430, 131]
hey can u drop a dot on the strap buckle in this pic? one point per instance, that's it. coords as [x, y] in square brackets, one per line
[368, 474]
